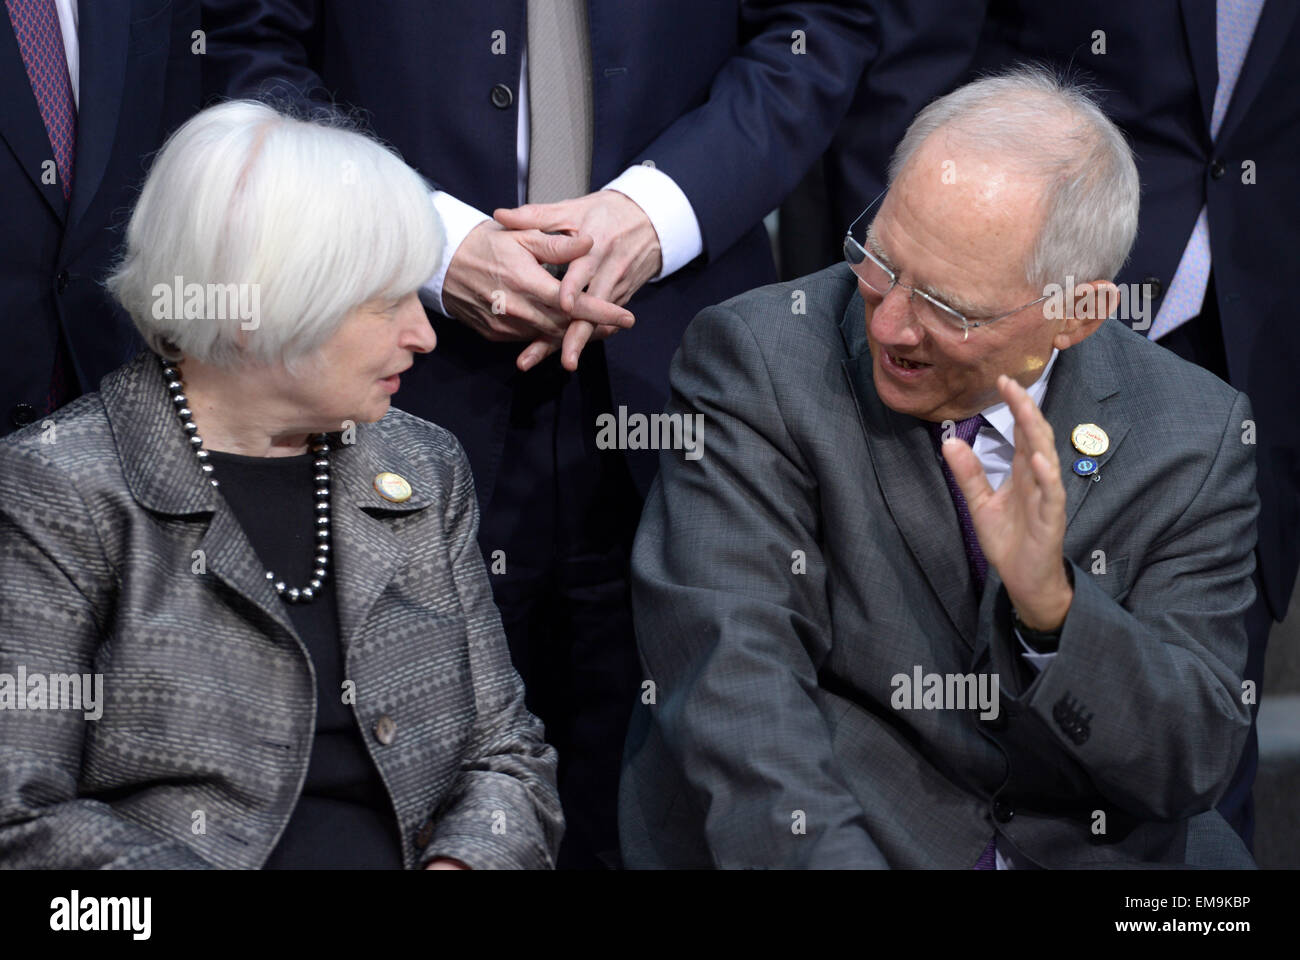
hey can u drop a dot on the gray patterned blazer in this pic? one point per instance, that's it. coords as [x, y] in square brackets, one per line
[775, 740]
[209, 696]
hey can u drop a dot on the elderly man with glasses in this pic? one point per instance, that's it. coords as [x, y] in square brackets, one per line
[955, 583]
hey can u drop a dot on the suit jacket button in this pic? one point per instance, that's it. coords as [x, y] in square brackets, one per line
[22, 414]
[1218, 168]
[1002, 811]
[1154, 287]
[424, 835]
[385, 730]
[61, 281]
[501, 96]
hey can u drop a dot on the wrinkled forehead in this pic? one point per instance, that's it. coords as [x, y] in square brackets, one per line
[971, 209]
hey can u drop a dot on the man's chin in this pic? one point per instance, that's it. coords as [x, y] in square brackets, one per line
[896, 397]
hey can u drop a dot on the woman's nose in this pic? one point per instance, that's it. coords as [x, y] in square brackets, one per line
[418, 334]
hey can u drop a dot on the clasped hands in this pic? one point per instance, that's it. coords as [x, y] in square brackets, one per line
[1021, 525]
[496, 283]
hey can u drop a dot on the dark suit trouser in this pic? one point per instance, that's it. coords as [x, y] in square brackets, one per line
[1200, 340]
[565, 514]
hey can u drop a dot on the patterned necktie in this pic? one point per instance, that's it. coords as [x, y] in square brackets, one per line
[1234, 27]
[966, 431]
[559, 100]
[979, 566]
[40, 41]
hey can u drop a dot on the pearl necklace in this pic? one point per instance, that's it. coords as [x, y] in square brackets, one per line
[321, 465]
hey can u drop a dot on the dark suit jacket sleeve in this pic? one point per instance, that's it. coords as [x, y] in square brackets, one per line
[54, 613]
[1160, 674]
[257, 46]
[769, 115]
[728, 633]
[926, 50]
[263, 49]
[503, 811]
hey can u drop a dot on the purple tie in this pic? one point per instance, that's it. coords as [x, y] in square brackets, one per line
[966, 431]
[40, 41]
[979, 567]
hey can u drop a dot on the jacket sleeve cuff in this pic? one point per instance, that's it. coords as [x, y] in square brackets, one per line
[670, 213]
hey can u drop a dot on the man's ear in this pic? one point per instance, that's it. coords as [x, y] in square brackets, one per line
[1093, 303]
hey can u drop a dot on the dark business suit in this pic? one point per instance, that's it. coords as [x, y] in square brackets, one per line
[715, 96]
[139, 81]
[1156, 80]
[773, 738]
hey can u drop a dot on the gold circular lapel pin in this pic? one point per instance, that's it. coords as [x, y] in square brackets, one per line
[392, 487]
[1090, 440]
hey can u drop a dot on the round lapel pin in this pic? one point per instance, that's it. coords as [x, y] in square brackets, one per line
[392, 487]
[1090, 440]
[1085, 466]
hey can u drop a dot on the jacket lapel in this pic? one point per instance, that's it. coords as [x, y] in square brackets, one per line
[367, 554]
[103, 34]
[164, 477]
[911, 482]
[1200, 32]
[1273, 31]
[1083, 389]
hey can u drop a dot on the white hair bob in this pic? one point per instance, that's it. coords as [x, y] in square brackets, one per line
[313, 216]
[1053, 129]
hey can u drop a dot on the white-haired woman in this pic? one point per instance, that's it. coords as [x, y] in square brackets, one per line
[244, 619]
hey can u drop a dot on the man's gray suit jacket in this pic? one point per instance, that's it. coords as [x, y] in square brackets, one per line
[812, 553]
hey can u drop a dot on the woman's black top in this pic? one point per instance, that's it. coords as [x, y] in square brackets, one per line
[344, 817]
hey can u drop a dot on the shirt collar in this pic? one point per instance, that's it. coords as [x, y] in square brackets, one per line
[999, 415]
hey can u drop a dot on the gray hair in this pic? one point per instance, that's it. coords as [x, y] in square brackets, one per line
[314, 217]
[1055, 130]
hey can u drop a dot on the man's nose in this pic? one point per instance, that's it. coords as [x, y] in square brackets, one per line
[891, 321]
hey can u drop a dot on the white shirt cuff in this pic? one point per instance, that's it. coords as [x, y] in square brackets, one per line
[670, 213]
[1038, 661]
[458, 219]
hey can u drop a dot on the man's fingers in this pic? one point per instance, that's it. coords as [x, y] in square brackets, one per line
[604, 280]
[1029, 419]
[555, 247]
[575, 338]
[966, 469]
[534, 216]
[1048, 476]
[576, 279]
[596, 310]
[535, 353]
[530, 304]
